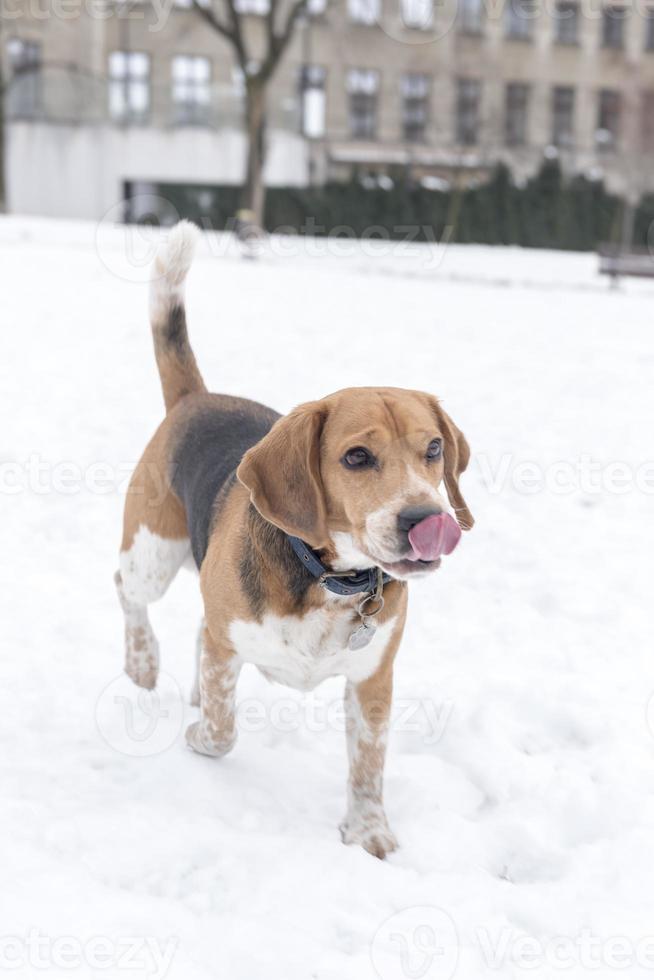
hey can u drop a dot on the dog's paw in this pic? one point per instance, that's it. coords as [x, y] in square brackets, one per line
[370, 832]
[200, 739]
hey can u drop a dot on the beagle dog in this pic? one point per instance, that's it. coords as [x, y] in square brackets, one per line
[305, 529]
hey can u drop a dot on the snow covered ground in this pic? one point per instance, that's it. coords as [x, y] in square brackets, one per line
[520, 775]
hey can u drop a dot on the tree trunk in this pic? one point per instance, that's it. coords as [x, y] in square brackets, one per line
[3, 192]
[3, 119]
[254, 194]
[3, 140]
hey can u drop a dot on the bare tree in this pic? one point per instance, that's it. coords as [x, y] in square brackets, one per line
[279, 22]
[3, 192]
[3, 94]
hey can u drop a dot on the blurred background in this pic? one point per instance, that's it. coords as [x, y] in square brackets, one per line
[491, 121]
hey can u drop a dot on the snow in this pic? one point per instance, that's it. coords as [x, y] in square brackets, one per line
[520, 772]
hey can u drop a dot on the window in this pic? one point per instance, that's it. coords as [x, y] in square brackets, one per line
[467, 110]
[647, 120]
[563, 103]
[471, 16]
[363, 89]
[649, 29]
[417, 14]
[613, 19]
[259, 8]
[608, 119]
[24, 58]
[364, 11]
[312, 87]
[515, 120]
[566, 22]
[518, 19]
[129, 86]
[191, 89]
[415, 106]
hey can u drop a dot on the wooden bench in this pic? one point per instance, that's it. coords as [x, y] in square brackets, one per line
[616, 261]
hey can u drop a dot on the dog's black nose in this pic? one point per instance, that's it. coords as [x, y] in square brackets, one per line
[408, 518]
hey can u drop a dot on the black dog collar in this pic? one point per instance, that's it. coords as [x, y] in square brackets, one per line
[341, 583]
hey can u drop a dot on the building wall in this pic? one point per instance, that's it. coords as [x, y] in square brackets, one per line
[447, 55]
[80, 171]
[74, 130]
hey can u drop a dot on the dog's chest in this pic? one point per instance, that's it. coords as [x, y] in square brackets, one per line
[302, 651]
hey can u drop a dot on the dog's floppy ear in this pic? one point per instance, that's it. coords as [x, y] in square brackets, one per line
[455, 459]
[282, 473]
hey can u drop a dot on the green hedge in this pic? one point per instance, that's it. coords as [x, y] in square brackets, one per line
[548, 211]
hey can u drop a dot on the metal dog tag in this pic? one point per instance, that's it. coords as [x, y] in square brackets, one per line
[361, 636]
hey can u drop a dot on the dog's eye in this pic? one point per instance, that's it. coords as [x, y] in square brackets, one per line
[434, 449]
[358, 458]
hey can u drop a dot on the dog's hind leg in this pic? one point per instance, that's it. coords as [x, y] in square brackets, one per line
[155, 544]
[146, 571]
[141, 646]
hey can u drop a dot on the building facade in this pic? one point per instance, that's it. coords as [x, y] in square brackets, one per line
[104, 95]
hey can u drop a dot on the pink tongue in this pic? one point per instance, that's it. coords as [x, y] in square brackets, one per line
[436, 535]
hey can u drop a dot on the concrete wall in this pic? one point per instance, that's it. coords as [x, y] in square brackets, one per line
[79, 171]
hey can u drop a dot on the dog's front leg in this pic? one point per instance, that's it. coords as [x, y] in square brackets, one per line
[215, 732]
[367, 711]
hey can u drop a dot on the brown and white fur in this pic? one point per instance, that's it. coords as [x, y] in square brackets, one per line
[221, 483]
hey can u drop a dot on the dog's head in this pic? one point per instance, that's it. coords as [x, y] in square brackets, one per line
[371, 475]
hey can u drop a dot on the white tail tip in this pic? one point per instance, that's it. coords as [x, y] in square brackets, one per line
[175, 254]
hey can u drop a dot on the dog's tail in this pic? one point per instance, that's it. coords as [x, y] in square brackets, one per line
[176, 362]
